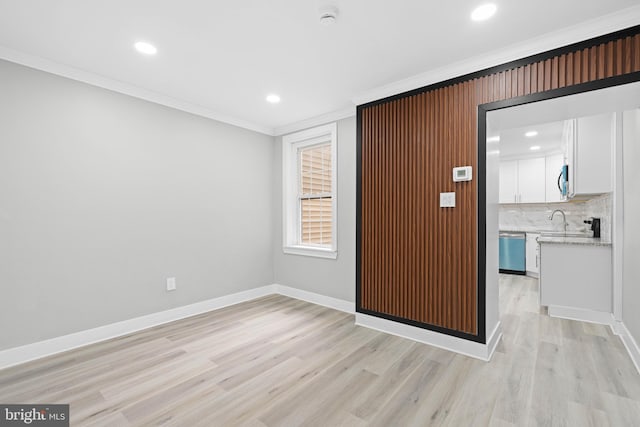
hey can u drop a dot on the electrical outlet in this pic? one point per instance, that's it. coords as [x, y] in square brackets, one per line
[171, 283]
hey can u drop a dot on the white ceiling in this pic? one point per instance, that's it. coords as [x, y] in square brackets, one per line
[514, 143]
[548, 117]
[221, 58]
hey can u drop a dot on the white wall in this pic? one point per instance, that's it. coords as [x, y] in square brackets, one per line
[631, 200]
[104, 196]
[334, 278]
[492, 185]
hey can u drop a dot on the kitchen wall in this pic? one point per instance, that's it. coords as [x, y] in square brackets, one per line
[331, 277]
[532, 217]
[104, 196]
[631, 200]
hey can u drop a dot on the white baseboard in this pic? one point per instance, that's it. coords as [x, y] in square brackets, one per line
[18, 355]
[37, 350]
[591, 316]
[446, 342]
[335, 303]
[629, 342]
[494, 340]
[601, 318]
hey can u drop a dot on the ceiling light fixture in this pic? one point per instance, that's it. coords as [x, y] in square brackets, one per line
[273, 98]
[483, 12]
[531, 134]
[146, 48]
[328, 15]
[534, 148]
[493, 139]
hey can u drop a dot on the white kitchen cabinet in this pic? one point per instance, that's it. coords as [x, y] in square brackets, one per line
[508, 182]
[553, 164]
[531, 253]
[590, 155]
[531, 180]
[522, 181]
[575, 276]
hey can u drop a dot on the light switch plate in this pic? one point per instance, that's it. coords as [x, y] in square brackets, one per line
[171, 283]
[447, 200]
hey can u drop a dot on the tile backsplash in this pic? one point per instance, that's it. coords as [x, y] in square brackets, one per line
[535, 216]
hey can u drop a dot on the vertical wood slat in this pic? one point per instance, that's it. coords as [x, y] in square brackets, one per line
[569, 61]
[418, 261]
[636, 53]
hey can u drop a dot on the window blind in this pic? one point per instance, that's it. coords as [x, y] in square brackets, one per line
[315, 199]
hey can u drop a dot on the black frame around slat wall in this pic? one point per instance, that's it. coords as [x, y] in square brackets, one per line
[593, 64]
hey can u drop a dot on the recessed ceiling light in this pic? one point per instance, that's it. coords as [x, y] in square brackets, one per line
[273, 98]
[483, 12]
[531, 134]
[534, 148]
[493, 139]
[146, 48]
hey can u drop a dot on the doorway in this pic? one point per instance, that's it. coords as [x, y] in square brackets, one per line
[550, 110]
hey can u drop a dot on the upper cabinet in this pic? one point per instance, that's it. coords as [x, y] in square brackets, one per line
[590, 155]
[508, 182]
[532, 163]
[533, 180]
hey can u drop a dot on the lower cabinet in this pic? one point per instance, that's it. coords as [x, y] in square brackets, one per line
[532, 254]
[576, 276]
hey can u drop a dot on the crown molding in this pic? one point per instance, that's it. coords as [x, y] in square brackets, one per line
[98, 80]
[622, 19]
[316, 121]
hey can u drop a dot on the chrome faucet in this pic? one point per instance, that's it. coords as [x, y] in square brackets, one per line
[564, 218]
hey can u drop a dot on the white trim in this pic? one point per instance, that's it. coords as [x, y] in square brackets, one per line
[126, 89]
[619, 328]
[26, 353]
[582, 315]
[323, 300]
[37, 350]
[333, 116]
[310, 251]
[446, 342]
[593, 28]
[18, 355]
[617, 220]
[291, 143]
[494, 340]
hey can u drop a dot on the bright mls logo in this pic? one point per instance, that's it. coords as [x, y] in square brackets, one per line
[34, 415]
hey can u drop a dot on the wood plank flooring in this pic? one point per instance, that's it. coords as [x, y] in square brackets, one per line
[278, 361]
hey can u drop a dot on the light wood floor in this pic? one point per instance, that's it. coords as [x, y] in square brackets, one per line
[277, 361]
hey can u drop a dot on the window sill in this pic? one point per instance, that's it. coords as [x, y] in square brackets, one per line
[310, 251]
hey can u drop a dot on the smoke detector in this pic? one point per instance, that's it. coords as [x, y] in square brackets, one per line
[328, 15]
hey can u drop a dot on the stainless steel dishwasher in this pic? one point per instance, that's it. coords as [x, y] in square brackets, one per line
[512, 252]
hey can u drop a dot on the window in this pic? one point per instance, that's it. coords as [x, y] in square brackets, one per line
[309, 192]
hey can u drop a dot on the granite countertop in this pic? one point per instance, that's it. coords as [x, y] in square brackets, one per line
[558, 238]
[564, 240]
[512, 229]
[536, 230]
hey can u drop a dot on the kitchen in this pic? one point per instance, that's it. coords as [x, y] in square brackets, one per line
[559, 198]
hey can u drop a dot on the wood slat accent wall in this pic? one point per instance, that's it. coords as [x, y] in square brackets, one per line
[418, 261]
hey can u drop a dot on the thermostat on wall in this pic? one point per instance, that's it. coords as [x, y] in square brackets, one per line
[462, 173]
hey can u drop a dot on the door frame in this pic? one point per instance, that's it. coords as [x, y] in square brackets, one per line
[483, 109]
